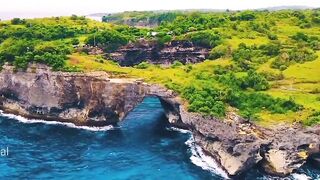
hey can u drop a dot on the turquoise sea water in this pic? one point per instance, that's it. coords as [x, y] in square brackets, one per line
[144, 146]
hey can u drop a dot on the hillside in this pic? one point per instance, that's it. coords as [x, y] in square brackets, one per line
[264, 65]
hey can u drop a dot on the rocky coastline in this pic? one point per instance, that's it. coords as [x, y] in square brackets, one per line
[95, 99]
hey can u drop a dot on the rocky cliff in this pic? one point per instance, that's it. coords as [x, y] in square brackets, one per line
[84, 99]
[94, 99]
[135, 53]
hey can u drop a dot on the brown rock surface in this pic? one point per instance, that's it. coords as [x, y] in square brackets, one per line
[135, 53]
[84, 99]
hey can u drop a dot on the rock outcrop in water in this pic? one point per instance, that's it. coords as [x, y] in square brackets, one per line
[94, 99]
[238, 145]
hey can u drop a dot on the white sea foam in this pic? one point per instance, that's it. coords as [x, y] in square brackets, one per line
[297, 176]
[204, 161]
[70, 125]
[179, 130]
[199, 158]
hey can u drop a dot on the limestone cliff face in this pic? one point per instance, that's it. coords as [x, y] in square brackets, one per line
[94, 99]
[84, 99]
[183, 51]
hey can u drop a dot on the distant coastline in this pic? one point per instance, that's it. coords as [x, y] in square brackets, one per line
[98, 16]
[27, 15]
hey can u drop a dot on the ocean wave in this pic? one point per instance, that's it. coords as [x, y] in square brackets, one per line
[199, 158]
[204, 161]
[297, 176]
[178, 130]
[67, 124]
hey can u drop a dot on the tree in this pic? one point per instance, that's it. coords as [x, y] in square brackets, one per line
[220, 51]
[54, 60]
[163, 38]
[246, 16]
[271, 49]
[110, 40]
[205, 39]
[255, 81]
[11, 48]
[300, 36]
[53, 47]
[16, 21]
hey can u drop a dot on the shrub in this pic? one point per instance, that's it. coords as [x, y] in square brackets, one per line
[53, 47]
[270, 76]
[16, 21]
[143, 65]
[295, 55]
[301, 55]
[110, 40]
[316, 20]
[300, 36]
[272, 36]
[75, 41]
[305, 25]
[256, 102]
[247, 57]
[21, 62]
[164, 38]
[271, 49]
[188, 68]
[56, 61]
[246, 16]
[206, 39]
[176, 64]
[255, 81]
[313, 119]
[206, 100]
[220, 51]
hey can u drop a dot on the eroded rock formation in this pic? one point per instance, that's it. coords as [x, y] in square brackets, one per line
[95, 99]
[84, 99]
[135, 53]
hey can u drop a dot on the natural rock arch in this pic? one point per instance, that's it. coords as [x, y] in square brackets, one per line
[94, 99]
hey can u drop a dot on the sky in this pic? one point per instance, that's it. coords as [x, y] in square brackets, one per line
[35, 8]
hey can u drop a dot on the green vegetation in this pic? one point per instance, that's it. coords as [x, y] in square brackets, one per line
[141, 18]
[313, 119]
[47, 40]
[264, 64]
[204, 38]
[143, 65]
[109, 39]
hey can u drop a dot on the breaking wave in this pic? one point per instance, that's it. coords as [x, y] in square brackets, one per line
[67, 124]
[297, 176]
[199, 158]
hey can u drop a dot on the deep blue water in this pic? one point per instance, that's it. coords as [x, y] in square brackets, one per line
[142, 147]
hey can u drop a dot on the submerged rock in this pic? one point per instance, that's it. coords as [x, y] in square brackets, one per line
[315, 160]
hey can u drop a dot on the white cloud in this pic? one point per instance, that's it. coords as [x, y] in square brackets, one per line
[66, 7]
